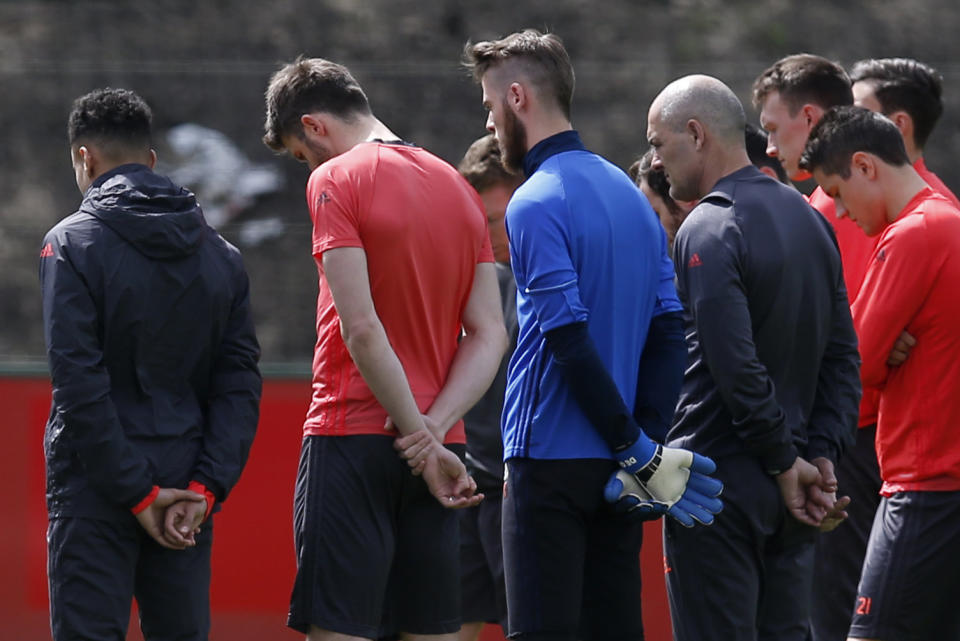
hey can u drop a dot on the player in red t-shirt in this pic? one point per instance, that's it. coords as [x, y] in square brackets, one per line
[907, 92]
[906, 587]
[409, 336]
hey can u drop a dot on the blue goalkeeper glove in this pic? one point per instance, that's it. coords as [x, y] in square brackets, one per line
[667, 480]
[624, 492]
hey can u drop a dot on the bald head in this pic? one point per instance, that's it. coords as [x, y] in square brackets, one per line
[695, 127]
[704, 99]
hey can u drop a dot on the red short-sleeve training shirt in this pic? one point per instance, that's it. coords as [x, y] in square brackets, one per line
[423, 230]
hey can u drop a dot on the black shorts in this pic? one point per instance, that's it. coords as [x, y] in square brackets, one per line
[839, 556]
[749, 575]
[481, 563]
[376, 553]
[908, 589]
[95, 569]
[572, 564]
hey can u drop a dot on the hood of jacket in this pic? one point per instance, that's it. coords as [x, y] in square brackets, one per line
[157, 217]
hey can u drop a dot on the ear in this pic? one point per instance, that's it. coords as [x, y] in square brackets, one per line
[812, 113]
[517, 96]
[904, 123]
[697, 132]
[314, 123]
[153, 159]
[864, 164]
[89, 159]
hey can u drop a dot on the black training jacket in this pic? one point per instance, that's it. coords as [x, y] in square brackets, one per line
[151, 347]
[773, 366]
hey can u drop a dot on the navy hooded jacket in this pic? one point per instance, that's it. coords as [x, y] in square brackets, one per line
[151, 347]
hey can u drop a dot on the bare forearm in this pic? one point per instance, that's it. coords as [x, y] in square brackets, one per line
[473, 369]
[384, 375]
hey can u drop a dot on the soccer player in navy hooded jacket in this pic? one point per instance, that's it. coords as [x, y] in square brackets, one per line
[156, 389]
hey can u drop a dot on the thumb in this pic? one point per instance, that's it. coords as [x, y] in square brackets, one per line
[185, 495]
[613, 488]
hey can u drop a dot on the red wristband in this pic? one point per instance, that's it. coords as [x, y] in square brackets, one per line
[200, 488]
[147, 500]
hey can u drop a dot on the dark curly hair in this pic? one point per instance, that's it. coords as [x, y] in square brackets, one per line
[110, 117]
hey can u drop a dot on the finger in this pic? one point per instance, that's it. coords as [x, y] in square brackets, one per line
[626, 503]
[416, 446]
[613, 489]
[705, 485]
[184, 495]
[460, 502]
[175, 537]
[163, 542]
[420, 458]
[171, 521]
[695, 511]
[476, 499]
[418, 470]
[413, 451]
[175, 542]
[707, 503]
[908, 338]
[801, 515]
[816, 511]
[702, 464]
[647, 512]
[828, 475]
[815, 497]
[403, 442]
[680, 516]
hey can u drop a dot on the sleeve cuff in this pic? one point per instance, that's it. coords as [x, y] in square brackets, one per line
[200, 488]
[779, 460]
[146, 501]
[820, 447]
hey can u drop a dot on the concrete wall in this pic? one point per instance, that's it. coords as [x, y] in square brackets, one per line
[208, 63]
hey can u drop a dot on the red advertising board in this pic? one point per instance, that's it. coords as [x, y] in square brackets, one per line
[253, 558]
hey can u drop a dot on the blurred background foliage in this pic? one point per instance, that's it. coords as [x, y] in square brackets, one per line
[207, 63]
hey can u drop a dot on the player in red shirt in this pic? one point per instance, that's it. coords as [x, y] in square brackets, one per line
[907, 92]
[404, 258]
[859, 159]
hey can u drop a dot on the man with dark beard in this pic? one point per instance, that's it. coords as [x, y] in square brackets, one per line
[587, 252]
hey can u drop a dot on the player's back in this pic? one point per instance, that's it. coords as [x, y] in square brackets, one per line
[577, 225]
[759, 239]
[423, 231]
[162, 292]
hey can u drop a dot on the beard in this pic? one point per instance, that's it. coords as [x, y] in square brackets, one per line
[320, 153]
[512, 142]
